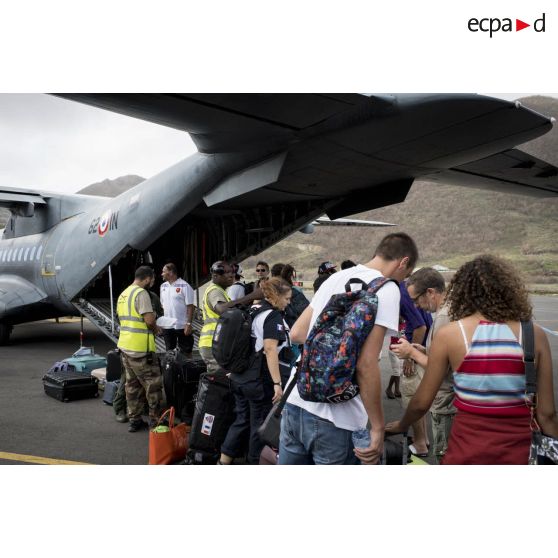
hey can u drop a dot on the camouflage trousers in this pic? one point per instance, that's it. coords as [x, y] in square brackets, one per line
[441, 428]
[207, 354]
[143, 381]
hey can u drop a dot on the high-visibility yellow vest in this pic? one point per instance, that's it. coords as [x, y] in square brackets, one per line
[210, 317]
[134, 333]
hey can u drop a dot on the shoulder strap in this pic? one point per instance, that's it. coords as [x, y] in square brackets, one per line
[378, 282]
[464, 335]
[528, 344]
[288, 390]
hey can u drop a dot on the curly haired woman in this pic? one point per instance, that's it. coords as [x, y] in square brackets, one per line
[487, 300]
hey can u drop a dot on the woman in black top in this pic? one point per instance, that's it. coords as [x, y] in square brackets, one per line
[260, 386]
[296, 307]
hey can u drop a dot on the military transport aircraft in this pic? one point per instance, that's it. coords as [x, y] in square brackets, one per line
[267, 165]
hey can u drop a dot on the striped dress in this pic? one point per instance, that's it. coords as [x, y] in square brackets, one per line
[492, 422]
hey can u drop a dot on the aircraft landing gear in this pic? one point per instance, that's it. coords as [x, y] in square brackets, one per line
[5, 331]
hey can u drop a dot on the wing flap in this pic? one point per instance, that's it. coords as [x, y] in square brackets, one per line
[509, 171]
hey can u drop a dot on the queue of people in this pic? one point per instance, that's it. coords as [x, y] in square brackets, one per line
[455, 353]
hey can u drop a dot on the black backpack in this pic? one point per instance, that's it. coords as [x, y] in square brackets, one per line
[233, 344]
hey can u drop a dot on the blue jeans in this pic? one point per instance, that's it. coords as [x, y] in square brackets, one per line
[307, 439]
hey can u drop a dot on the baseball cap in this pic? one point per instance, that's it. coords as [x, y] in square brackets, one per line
[218, 268]
[325, 267]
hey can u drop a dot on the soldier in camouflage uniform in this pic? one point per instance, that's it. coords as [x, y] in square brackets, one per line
[119, 404]
[137, 345]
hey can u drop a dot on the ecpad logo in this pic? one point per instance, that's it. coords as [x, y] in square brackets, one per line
[494, 24]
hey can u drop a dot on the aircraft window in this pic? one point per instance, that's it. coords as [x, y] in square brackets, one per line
[14, 255]
[32, 255]
[20, 255]
[3, 255]
[9, 255]
[39, 252]
[26, 254]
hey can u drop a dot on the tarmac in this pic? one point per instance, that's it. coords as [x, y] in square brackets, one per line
[36, 428]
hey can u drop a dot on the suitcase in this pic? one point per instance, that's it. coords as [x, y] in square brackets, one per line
[101, 375]
[85, 360]
[396, 451]
[181, 377]
[213, 416]
[69, 386]
[110, 392]
[114, 366]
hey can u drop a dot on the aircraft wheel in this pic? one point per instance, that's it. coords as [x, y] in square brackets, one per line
[5, 331]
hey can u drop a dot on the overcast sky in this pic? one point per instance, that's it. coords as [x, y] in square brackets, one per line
[62, 146]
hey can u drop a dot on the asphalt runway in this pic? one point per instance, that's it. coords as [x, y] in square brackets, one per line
[35, 428]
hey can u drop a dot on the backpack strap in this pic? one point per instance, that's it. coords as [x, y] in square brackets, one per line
[528, 344]
[288, 390]
[377, 283]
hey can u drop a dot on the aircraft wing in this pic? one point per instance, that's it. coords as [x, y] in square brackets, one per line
[226, 122]
[326, 222]
[355, 152]
[13, 196]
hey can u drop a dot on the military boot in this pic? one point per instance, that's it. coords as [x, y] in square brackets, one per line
[137, 425]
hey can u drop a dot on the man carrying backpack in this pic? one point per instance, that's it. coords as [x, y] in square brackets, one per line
[215, 302]
[321, 432]
[239, 288]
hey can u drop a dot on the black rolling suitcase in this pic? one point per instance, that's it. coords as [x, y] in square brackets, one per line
[396, 449]
[114, 366]
[213, 416]
[67, 385]
[181, 377]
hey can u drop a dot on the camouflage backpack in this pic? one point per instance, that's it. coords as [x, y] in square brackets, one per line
[333, 345]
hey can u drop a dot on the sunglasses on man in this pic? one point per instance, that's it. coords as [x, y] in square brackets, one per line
[260, 270]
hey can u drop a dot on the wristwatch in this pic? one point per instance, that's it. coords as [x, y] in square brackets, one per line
[276, 383]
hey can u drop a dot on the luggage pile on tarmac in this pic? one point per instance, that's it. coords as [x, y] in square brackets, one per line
[71, 378]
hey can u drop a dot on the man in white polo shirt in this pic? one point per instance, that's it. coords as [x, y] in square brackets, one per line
[177, 298]
[320, 433]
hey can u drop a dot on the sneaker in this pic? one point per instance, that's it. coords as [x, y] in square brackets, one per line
[153, 423]
[122, 417]
[137, 425]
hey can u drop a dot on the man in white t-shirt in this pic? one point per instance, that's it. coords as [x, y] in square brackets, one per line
[238, 288]
[177, 298]
[320, 433]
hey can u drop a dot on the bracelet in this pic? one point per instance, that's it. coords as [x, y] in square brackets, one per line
[188, 323]
[276, 383]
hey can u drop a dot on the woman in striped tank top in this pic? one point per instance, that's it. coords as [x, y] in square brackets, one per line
[487, 300]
